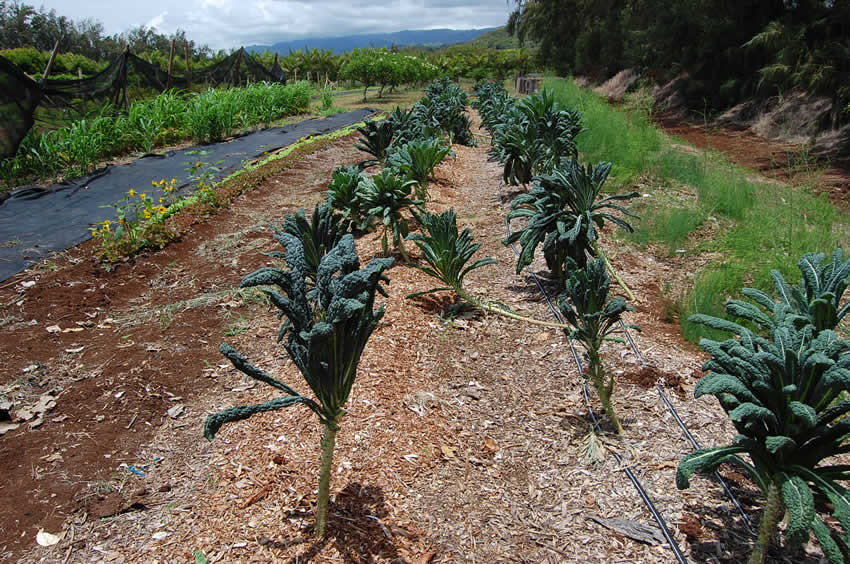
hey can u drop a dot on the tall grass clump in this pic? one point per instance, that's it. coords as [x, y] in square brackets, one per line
[629, 141]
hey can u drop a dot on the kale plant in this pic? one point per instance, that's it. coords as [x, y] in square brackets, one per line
[784, 386]
[595, 318]
[325, 332]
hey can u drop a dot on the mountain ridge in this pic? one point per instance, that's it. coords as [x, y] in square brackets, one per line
[407, 37]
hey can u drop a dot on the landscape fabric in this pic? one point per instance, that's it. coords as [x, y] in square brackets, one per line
[35, 221]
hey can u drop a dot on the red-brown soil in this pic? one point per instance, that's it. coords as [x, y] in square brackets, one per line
[780, 161]
[465, 439]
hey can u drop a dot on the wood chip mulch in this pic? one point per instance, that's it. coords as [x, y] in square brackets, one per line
[466, 439]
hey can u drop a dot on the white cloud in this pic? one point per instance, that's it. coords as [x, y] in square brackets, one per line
[230, 23]
[156, 22]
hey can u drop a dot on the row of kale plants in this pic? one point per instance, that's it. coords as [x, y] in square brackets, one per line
[782, 378]
[170, 117]
[328, 300]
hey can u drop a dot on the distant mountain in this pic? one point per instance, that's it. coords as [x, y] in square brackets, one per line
[426, 37]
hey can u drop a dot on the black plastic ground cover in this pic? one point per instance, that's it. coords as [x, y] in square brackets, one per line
[35, 221]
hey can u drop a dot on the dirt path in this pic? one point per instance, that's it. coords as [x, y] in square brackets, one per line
[465, 441]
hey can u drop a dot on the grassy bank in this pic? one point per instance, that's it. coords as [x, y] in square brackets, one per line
[755, 226]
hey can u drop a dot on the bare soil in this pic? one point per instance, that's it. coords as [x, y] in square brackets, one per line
[784, 162]
[466, 439]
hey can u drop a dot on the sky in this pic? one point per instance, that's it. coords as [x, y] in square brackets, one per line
[224, 24]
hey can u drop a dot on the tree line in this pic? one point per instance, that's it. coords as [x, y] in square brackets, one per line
[24, 26]
[730, 49]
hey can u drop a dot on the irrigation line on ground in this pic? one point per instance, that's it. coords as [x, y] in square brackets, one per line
[674, 546]
[696, 446]
[689, 436]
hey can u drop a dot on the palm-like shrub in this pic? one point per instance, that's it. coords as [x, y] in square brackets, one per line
[326, 331]
[384, 198]
[376, 140]
[447, 254]
[342, 192]
[564, 210]
[418, 159]
[318, 236]
[594, 317]
[446, 251]
[785, 392]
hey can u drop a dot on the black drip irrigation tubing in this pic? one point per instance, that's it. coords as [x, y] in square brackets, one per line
[696, 446]
[689, 436]
[658, 388]
[674, 546]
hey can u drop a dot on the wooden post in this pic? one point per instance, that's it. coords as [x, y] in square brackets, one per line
[170, 65]
[188, 72]
[50, 62]
[237, 79]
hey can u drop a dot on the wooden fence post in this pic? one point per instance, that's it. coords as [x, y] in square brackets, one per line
[170, 65]
[50, 62]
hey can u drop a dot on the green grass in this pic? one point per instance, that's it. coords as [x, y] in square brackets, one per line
[763, 226]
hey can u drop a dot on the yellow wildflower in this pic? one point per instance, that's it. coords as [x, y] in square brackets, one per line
[198, 164]
[142, 196]
[160, 200]
[147, 214]
[153, 182]
[161, 209]
[121, 221]
[131, 193]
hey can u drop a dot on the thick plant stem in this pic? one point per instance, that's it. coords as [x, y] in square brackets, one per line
[597, 375]
[486, 306]
[614, 273]
[328, 442]
[769, 520]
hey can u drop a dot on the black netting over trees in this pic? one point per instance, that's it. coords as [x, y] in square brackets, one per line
[20, 95]
[106, 82]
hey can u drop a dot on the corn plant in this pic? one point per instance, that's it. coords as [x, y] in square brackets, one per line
[325, 333]
[595, 318]
[418, 159]
[784, 386]
[376, 140]
[564, 209]
[383, 198]
[342, 192]
[448, 253]
[318, 236]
